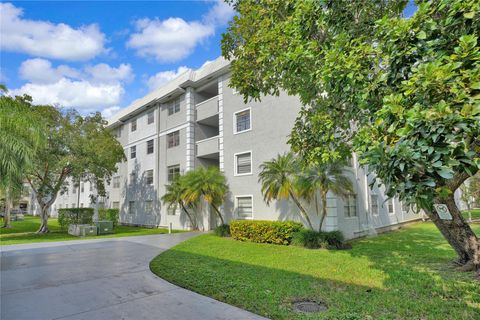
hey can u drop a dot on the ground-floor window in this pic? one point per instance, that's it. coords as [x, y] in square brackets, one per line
[173, 211]
[149, 206]
[131, 207]
[390, 206]
[374, 203]
[115, 205]
[350, 207]
[244, 206]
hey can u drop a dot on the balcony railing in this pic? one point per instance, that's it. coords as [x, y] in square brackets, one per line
[206, 109]
[208, 147]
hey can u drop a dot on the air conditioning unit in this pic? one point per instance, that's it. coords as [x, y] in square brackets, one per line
[104, 227]
[82, 230]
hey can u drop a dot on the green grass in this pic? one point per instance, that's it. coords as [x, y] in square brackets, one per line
[24, 232]
[405, 274]
[475, 214]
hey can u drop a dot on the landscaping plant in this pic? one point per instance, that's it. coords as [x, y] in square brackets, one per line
[276, 232]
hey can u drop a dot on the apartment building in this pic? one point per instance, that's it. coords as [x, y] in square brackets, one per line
[198, 120]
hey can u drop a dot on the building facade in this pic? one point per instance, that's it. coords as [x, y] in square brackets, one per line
[197, 120]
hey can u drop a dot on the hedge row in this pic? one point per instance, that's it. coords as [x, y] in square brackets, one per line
[75, 216]
[277, 232]
[319, 239]
[109, 215]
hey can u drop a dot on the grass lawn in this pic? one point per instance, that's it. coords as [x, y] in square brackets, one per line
[405, 274]
[24, 232]
[475, 214]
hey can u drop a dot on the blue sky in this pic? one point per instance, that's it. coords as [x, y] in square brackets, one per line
[103, 55]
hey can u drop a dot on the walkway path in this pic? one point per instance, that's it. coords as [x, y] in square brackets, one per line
[99, 279]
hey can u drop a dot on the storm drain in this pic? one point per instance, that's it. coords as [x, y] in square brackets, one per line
[307, 306]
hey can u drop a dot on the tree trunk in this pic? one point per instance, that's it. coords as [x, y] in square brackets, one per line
[218, 212]
[192, 221]
[324, 210]
[458, 234]
[8, 208]
[302, 210]
[44, 220]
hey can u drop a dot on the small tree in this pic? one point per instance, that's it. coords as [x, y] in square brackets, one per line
[209, 184]
[321, 178]
[174, 196]
[279, 181]
[76, 146]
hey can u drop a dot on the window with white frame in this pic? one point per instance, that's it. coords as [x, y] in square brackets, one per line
[115, 205]
[172, 172]
[149, 206]
[74, 205]
[390, 206]
[131, 207]
[133, 125]
[374, 203]
[81, 205]
[405, 207]
[133, 152]
[174, 107]
[173, 139]
[66, 205]
[150, 146]
[243, 163]
[150, 117]
[244, 207]
[173, 210]
[242, 121]
[116, 182]
[133, 177]
[350, 207]
[149, 177]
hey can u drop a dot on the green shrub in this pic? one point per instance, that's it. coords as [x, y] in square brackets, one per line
[277, 232]
[75, 216]
[109, 215]
[222, 230]
[314, 239]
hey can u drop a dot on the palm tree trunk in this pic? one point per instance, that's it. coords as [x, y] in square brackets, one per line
[192, 221]
[8, 207]
[299, 205]
[324, 210]
[218, 212]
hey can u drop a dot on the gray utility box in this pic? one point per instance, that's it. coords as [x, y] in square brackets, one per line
[104, 227]
[82, 230]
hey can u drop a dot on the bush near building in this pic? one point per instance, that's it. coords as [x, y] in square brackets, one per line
[109, 215]
[276, 232]
[75, 216]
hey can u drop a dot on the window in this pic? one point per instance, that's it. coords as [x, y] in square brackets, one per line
[150, 146]
[350, 207]
[73, 205]
[173, 211]
[244, 207]
[82, 187]
[243, 163]
[133, 152]
[150, 117]
[118, 132]
[405, 207]
[74, 189]
[242, 121]
[81, 205]
[174, 107]
[149, 206]
[133, 177]
[66, 206]
[374, 200]
[133, 125]
[131, 207]
[149, 176]
[173, 171]
[115, 205]
[173, 139]
[116, 182]
[390, 206]
[101, 205]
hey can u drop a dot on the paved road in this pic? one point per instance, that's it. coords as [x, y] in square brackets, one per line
[99, 279]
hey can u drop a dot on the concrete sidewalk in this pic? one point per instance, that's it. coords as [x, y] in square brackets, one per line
[99, 279]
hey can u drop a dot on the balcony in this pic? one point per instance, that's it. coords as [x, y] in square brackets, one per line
[207, 110]
[208, 148]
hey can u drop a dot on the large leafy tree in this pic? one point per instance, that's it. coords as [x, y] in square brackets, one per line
[77, 147]
[20, 136]
[279, 179]
[319, 179]
[403, 93]
[208, 184]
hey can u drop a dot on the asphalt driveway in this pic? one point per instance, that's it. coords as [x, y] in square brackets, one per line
[99, 279]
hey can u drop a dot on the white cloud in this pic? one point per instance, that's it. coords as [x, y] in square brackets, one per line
[160, 78]
[94, 88]
[173, 39]
[46, 39]
[109, 112]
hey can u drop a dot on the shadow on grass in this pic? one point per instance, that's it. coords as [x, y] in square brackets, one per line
[406, 275]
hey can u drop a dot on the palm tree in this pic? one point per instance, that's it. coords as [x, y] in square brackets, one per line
[278, 178]
[174, 196]
[322, 178]
[209, 184]
[20, 135]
